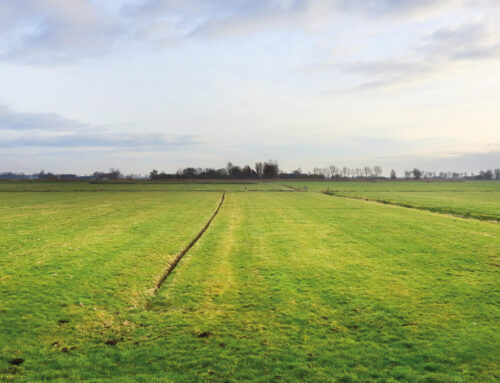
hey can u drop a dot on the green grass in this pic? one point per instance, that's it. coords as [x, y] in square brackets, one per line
[131, 186]
[282, 286]
[86, 258]
[480, 205]
[472, 199]
[395, 186]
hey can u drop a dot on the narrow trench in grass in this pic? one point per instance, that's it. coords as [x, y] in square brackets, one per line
[171, 266]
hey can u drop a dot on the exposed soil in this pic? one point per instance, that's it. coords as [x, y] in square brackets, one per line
[204, 334]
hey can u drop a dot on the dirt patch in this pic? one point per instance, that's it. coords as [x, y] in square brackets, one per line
[205, 334]
[111, 342]
[17, 361]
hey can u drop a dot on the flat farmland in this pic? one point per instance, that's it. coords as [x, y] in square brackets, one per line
[77, 261]
[473, 199]
[134, 186]
[281, 286]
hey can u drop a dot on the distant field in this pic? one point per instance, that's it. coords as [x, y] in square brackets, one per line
[395, 186]
[57, 186]
[282, 286]
[475, 199]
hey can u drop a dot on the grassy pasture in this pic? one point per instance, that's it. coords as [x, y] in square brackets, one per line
[282, 286]
[481, 205]
[85, 258]
[137, 186]
[396, 186]
[475, 199]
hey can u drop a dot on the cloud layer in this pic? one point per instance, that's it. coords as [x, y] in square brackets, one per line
[55, 31]
[219, 80]
[55, 131]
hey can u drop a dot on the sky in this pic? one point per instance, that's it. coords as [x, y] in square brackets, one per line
[87, 85]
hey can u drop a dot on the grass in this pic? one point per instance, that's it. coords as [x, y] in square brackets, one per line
[395, 186]
[137, 186]
[85, 258]
[282, 286]
[471, 199]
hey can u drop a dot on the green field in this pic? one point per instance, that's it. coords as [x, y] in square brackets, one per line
[474, 199]
[134, 186]
[282, 286]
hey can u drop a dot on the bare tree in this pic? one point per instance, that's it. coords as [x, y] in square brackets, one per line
[333, 171]
[345, 171]
[229, 168]
[377, 170]
[259, 168]
[393, 174]
[367, 170]
[497, 173]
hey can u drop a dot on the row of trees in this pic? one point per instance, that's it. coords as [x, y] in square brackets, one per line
[482, 175]
[268, 169]
[333, 171]
[265, 170]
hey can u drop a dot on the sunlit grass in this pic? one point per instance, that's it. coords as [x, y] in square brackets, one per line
[282, 286]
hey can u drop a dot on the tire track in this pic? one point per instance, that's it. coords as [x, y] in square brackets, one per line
[171, 266]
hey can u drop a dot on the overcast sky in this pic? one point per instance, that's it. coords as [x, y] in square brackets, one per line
[140, 84]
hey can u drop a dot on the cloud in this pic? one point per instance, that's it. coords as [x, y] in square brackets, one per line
[469, 162]
[48, 31]
[436, 52]
[53, 130]
[474, 41]
[14, 121]
[101, 140]
[59, 31]
[391, 7]
[199, 18]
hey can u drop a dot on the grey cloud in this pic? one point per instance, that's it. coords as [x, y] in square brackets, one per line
[48, 31]
[199, 18]
[437, 51]
[466, 42]
[97, 140]
[385, 68]
[11, 120]
[470, 162]
[390, 7]
[54, 130]
[55, 31]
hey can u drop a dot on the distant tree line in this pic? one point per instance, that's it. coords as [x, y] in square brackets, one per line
[264, 170]
[482, 175]
[113, 174]
[333, 171]
[268, 169]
